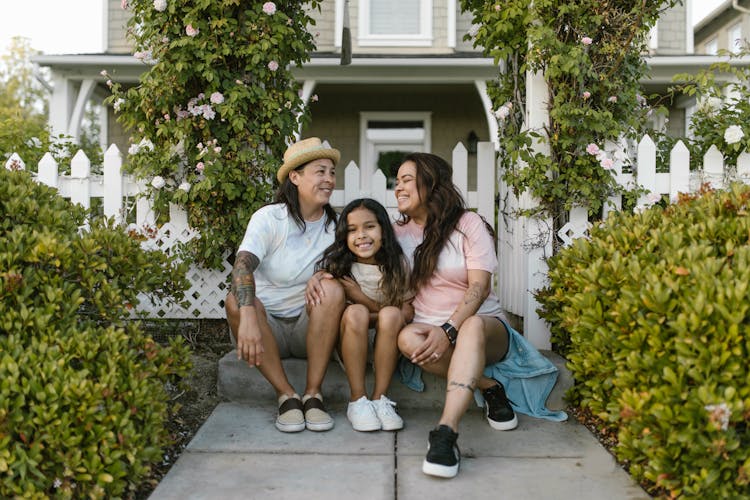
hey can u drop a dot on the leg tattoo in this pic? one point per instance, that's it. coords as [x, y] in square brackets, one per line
[452, 384]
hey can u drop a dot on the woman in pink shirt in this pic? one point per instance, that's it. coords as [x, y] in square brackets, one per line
[458, 325]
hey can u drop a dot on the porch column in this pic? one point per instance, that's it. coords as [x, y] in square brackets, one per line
[537, 231]
[308, 86]
[489, 113]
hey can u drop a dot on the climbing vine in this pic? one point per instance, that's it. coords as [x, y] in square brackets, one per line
[211, 115]
[590, 55]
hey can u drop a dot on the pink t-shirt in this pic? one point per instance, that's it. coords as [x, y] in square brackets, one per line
[471, 247]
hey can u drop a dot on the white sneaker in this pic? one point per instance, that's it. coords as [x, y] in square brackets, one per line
[362, 415]
[385, 409]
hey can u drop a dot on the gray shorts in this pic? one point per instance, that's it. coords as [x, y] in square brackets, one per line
[290, 335]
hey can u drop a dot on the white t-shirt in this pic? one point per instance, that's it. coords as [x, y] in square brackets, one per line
[287, 257]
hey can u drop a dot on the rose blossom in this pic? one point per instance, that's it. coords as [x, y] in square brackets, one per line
[199, 167]
[160, 5]
[217, 98]
[612, 98]
[273, 65]
[733, 134]
[185, 186]
[586, 94]
[592, 149]
[586, 40]
[607, 163]
[191, 31]
[269, 8]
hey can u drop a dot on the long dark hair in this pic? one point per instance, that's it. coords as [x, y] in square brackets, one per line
[444, 205]
[338, 259]
[288, 194]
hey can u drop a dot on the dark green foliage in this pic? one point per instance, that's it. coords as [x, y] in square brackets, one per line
[82, 388]
[653, 314]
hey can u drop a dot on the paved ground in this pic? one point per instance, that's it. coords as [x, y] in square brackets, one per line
[238, 453]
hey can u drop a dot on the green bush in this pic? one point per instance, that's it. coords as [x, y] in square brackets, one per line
[83, 400]
[652, 312]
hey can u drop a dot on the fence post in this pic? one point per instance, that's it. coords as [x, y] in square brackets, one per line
[679, 170]
[460, 170]
[80, 189]
[743, 168]
[646, 175]
[113, 184]
[48, 173]
[15, 163]
[713, 168]
[351, 183]
[486, 184]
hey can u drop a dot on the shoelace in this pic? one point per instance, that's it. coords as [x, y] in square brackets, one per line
[443, 445]
[389, 407]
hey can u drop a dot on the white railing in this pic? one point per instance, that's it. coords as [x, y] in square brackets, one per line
[205, 297]
[515, 248]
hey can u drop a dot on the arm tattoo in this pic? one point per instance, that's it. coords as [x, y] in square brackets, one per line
[473, 294]
[243, 281]
[458, 385]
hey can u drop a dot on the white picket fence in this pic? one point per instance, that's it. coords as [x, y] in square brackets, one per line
[523, 244]
[520, 241]
[120, 193]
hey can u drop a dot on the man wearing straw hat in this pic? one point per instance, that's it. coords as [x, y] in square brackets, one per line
[270, 315]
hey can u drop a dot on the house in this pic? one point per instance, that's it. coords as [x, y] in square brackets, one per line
[723, 27]
[415, 84]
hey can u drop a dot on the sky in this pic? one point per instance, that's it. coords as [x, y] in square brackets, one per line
[75, 26]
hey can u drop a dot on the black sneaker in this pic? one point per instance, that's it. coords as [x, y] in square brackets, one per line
[500, 414]
[443, 456]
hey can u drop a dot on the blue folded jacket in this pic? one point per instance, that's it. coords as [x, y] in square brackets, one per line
[528, 378]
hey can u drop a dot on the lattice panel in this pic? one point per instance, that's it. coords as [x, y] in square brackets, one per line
[208, 288]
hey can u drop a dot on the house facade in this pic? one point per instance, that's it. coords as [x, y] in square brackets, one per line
[414, 83]
[723, 28]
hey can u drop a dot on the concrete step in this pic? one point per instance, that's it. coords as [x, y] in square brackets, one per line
[239, 383]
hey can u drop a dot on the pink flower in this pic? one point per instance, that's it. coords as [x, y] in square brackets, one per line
[314, 98]
[167, 117]
[273, 65]
[269, 8]
[497, 7]
[592, 149]
[607, 163]
[216, 98]
[586, 40]
[191, 31]
[586, 94]
[124, 4]
[612, 98]
[199, 167]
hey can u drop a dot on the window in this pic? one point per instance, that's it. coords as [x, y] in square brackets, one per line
[395, 23]
[386, 137]
[711, 47]
[735, 37]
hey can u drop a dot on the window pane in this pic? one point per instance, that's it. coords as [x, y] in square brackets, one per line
[394, 17]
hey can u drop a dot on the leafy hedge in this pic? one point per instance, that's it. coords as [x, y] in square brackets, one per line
[82, 388]
[653, 315]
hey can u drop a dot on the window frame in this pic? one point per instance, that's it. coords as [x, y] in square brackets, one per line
[423, 39]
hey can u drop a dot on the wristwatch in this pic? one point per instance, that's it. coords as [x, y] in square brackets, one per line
[450, 332]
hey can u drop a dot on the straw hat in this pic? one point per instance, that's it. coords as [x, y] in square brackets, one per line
[305, 151]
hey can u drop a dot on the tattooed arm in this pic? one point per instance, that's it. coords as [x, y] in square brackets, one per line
[243, 281]
[249, 341]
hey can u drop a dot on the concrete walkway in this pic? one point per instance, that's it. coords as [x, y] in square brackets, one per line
[238, 453]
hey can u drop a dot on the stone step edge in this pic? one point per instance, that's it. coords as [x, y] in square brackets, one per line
[238, 382]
